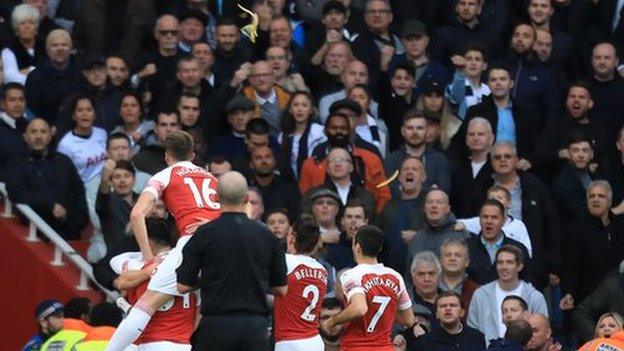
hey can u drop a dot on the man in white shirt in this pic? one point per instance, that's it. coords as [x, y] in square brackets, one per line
[485, 308]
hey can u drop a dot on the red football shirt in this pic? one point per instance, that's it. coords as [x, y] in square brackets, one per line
[385, 292]
[189, 193]
[174, 321]
[297, 313]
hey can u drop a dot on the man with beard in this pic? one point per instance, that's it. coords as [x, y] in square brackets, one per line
[368, 166]
[331, 306]
[551, 149]
[276, 191]
[413, 131]
[574, 177]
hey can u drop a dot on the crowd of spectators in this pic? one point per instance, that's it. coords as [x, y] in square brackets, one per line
[498, 124]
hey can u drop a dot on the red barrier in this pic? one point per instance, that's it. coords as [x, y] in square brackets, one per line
[28, 278]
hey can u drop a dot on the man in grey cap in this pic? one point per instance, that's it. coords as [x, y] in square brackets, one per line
[416, 42]
[239, 111]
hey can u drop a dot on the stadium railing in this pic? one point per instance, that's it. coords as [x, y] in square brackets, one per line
[61, 247]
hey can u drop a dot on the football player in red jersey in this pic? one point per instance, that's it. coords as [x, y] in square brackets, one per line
[376, 295]
[189, 193]
[297, 313]
[172, 325]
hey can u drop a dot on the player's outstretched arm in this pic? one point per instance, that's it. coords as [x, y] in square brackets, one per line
[141, 209]
[405, 317]
[356, 308]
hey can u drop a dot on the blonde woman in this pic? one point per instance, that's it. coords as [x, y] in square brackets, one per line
[608, 324]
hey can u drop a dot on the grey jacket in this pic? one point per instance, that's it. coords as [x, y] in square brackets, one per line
[483, 307]
[430, 238]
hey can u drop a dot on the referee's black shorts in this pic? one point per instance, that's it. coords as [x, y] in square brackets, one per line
[230, 333]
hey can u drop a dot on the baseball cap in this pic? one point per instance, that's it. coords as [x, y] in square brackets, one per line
[48, 308]
[433, 86]
[324, 192]
[93, 60]
[239, 103]
[334, 5]
[196, 14]
[345, 103]
[413, 28]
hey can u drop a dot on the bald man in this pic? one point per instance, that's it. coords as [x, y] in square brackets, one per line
[239, 260]
[270, 98]
[542, 339]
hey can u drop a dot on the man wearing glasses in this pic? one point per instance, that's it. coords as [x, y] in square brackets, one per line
[158, 68]
[532, 203]
[377, 45]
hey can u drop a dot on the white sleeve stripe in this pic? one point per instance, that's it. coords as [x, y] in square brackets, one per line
[354, 291]
[405, 306]
[152, 191]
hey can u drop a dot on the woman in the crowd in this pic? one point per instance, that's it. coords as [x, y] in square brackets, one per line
[131, 113]
[24, 50]
[84, 144]
[368, 127]
[299, 134]
[442, 124]
[608, 324]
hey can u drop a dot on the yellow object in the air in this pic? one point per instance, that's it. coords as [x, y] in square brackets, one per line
[389, 180]
[250, 30]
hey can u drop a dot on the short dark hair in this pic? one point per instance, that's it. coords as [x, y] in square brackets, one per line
[412, 114]
[477, 47]
[580, 84]
[405, 66]
[185, 59]
[579, 137]
[159, 231]
[77, 98]
[168, 111]
[76, 307]
[370, 238]
[180, 145]
[226, 21]
[307, 236]
[105, 314]
[336, 115]
[495, 203]
[125, 165]
[449, 293]
[118, 55]
[521, 301]
[117, 136]
[519, 331]
[356, 202]
[12, 86]
[257, 126]
[187, 96]
[282, 210]
[512, 249]
[498, 67]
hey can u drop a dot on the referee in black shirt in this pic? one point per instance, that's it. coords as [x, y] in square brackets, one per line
[240, 262]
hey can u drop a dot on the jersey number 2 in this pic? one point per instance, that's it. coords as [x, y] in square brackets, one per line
[314, 291]
[383, 302]
[202, 199]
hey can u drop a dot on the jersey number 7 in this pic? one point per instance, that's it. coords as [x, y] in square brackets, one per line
[383, 302]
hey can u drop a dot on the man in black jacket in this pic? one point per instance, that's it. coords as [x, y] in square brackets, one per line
[551, 149]
[12, 123]
[608, 297]
[574, 177]
[451, 333]
[597, 236]
[482, 248]
[532, 203]
[48, 182]
[151, 158]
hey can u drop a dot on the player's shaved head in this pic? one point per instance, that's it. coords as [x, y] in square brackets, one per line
[232, 189]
